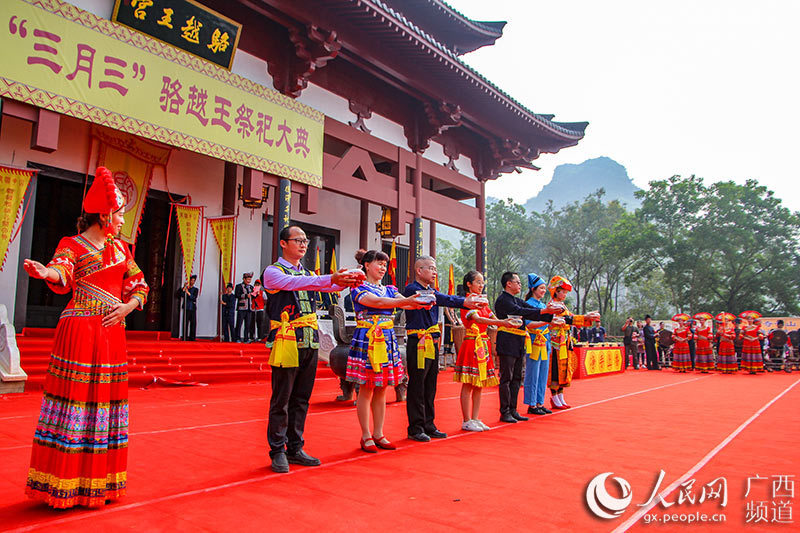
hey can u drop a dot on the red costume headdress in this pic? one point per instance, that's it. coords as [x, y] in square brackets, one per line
[703, 316]
[725, 317]
[680, 316]
[750, 315]
[104, 197]
[558, 282]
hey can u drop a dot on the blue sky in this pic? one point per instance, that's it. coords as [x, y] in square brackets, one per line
[681, 87]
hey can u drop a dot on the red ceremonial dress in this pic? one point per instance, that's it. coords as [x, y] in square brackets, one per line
[726, 358]
[704, 355]
[474, 364]
[751, 349]
[80, 446]
[681, 359]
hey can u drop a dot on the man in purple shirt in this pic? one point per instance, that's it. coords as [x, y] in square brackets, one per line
[293, 324]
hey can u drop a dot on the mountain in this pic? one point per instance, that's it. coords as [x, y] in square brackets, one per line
[572, 183]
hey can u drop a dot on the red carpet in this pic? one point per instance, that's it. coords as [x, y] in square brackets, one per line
[198, 459]
[154, 356]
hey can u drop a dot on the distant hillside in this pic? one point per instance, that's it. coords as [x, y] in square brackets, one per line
[576, 182]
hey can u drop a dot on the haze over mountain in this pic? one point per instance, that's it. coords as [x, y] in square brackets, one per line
[576, 182]
[572, 183]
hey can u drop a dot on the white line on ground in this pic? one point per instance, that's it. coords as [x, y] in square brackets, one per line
[700, 464]
[136, 505]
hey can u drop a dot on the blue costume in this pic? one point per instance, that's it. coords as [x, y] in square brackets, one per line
[375, 324]
[536, 369]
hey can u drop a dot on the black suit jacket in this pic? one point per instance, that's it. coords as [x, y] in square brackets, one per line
[508, 343]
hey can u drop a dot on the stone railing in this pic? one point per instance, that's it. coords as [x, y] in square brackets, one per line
[12, 377]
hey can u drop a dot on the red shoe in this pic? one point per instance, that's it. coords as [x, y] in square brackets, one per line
[369, 448]
[554, 406]
[383, 443]
[567, 406]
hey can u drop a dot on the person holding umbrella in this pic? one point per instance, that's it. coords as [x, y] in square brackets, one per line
[681, 359]
[726, 355]
[752, 360]
[704, 361]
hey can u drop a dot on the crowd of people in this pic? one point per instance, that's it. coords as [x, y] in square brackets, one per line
[79, 454]
[725, 342]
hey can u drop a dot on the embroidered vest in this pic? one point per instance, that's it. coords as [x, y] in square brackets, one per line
[296, 304]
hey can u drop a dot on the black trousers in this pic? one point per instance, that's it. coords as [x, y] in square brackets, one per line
[510, 380]
[191, 325]
[421, 390]
[652, 355]
[663, 351]
[228, 334]
[244, 317]
[630, 351]
[288, 406]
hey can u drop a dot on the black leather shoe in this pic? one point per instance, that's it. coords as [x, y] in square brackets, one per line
[532, 410]
[436, 434]
[280, 464]
[519, 417]
[546, 411]
[508, 418]
[302, 458]
[536, 411]
[420, 437]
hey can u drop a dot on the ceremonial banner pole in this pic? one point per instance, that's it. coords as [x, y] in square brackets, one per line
[189, 217]
[14, 184]
[131, 161]
[224, 230]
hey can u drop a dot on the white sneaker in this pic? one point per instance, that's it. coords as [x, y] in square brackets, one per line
[482, 425]
[470, 425]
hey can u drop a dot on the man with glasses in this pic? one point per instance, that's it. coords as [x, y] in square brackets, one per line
[514, 344]
[293, 343]
[422, 328]
[244, 308]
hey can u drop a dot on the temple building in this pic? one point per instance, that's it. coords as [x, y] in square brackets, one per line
[356, 119]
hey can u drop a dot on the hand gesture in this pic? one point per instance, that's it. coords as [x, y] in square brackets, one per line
[35, 269]
[554, 308]
[512, 322]
[594, 316]
[558, 321]
[348, 277]
[118, 312]
[416, 301]
[474, 301]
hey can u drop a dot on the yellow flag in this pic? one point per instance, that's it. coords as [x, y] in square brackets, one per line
[333, 262]
[132, 173]
[224, 229]
[13, 184]
[188, 225]
[316, 263]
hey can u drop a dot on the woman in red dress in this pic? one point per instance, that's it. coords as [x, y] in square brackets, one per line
[681, 360]
[704, 361]
[726, 356]
[752, 335]
[80, 446]
[474, 366]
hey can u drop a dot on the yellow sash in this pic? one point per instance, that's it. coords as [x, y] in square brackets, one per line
[522, 332]
[284, 351]
[540, 345]
[481, 348]
[425, 341]
[376, 352]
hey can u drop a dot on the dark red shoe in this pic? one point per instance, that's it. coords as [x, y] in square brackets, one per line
[554, 406]
[383, 443]
[369, 448]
